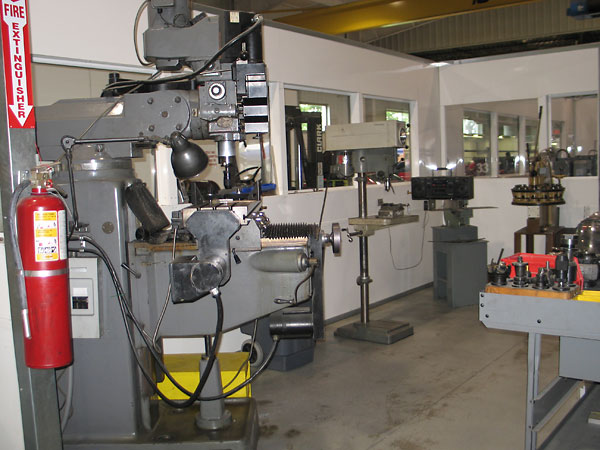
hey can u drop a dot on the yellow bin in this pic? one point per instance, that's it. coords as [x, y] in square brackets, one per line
[184, 368]
[589, 296]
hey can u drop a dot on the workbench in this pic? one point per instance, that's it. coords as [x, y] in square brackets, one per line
[577, 323]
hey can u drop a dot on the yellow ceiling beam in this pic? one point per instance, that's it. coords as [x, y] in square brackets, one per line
[365, 14]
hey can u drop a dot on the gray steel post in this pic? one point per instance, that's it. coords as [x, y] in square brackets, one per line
[363, 242]
[39, 404]
[534, 350]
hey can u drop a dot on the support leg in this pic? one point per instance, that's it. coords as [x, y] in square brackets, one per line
[533, 366]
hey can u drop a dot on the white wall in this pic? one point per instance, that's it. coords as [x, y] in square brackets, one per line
[304, 60]
[11, 426]
[520, 77]
[341, 291]
[301, 60]
[60, 29]
[498, 225]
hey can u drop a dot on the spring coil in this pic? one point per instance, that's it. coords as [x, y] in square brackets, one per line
[290, 231]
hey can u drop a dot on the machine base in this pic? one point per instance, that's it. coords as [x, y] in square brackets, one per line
[176, 429]
[379, 331]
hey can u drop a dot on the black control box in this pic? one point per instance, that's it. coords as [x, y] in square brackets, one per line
[442, 188]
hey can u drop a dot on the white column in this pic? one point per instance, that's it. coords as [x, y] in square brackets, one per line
[522, 144]
[545, 123]
[493, 169]
[277, 136]
[414, 139]
[357, 110]
[443, 139]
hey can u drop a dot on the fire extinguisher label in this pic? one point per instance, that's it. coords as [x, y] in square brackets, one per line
[46, 226]
[62, 234]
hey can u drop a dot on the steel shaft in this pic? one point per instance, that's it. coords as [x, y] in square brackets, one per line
[363, 242]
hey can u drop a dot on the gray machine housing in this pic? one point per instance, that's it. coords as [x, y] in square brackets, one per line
[459, 255]
[113, 406]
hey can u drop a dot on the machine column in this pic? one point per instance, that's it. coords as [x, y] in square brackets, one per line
[363, 280]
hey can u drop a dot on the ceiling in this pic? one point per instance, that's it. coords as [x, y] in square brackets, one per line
[434, 29]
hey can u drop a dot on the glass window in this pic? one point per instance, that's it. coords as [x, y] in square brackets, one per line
[508, 145]
[531, 129]
[401, 116]
[574, 134]
[557, 135]
[476, 142]
[307, 114]
[321, 109]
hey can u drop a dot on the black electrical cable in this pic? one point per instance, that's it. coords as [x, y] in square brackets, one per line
[422, 244]
[323, 208]
[125, 309]
[241, 386]
[258, 169]
[126, 312]
[258, 20]
[74, 211]
[248, 169]
[147, 376]
[135, 33]
[304, 280]
[246, 360]
[195, 396]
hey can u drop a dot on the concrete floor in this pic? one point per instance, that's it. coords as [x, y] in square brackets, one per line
[454, 385]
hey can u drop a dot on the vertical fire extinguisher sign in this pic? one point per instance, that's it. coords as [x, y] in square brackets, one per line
[17, 64]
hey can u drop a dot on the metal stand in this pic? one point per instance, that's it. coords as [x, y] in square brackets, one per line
[230, 424]
[213, 415]
[559, 317]
[459, 265]
[176, 430]
[379, 331]
[545, 225]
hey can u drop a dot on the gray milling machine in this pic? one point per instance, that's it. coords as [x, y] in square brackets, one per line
[232, 257]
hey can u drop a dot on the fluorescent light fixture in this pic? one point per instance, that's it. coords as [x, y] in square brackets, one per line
[439, 64]
[431, 166]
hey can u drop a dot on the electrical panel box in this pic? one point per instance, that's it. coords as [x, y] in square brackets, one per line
[367, 135]
[83, 285]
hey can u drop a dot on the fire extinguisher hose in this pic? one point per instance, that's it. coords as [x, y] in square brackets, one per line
[17, 254]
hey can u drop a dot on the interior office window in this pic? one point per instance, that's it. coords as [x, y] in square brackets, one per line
[574, 134]
[476, 142]
[508, 145]
[308, 113]
[323, 110]
[401, 116]
[558, 138]
[531, 127]
[376, 110]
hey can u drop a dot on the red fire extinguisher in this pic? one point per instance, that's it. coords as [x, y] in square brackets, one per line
[42, 229]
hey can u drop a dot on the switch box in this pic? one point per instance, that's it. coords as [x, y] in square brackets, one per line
[83, 285]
